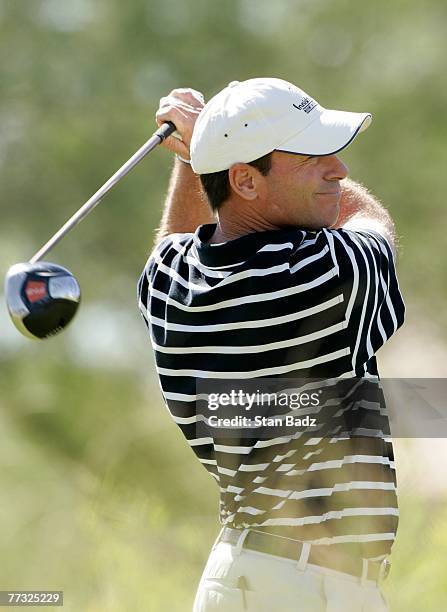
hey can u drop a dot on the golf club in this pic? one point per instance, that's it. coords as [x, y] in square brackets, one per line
[42, 297]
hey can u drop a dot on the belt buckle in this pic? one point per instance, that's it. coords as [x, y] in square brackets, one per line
[384, 570]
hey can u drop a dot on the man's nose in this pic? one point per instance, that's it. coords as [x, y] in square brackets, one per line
[336, 169]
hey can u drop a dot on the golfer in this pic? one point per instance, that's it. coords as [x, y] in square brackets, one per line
[271, 265]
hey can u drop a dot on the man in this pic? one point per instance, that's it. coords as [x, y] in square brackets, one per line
[296, 280]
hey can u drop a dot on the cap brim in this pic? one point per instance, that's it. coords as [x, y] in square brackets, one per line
[331, 132]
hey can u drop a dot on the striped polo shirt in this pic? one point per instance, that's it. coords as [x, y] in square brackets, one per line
[290, 303]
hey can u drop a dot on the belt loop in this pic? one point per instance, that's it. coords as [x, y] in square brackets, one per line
[240, 542]
[304, 556]
[217, 540]
[364, 575]
[384, 570]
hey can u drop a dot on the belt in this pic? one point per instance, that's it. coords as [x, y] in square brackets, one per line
[318, 555]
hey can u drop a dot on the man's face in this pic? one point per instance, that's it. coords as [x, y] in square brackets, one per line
[304, 191]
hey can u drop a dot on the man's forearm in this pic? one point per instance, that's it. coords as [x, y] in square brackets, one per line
[360, 208]
[186, 206]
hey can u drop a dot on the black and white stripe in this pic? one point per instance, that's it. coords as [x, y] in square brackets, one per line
[282, 304]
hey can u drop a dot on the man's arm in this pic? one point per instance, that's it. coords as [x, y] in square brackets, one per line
[186, 205]
[359, 210]
[377, 310]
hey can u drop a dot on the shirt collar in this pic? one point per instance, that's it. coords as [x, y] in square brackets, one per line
[240, 249]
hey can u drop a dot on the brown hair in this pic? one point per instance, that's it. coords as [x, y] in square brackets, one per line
[217, 184]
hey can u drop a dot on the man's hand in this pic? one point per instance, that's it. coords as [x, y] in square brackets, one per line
[182, 107]
[186, 206]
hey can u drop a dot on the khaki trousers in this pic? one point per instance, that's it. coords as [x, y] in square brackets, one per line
[237, 579]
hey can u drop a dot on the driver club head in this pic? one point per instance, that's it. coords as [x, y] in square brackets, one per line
[42, 298]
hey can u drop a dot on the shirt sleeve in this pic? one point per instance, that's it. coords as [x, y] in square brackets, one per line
[144, 282]
[374, 305]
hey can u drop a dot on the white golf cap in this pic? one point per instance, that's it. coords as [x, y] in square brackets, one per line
[249, 119]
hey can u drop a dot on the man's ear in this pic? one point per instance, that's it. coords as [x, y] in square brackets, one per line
[245, 181]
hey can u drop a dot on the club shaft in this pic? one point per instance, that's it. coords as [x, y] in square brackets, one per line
[162, 133]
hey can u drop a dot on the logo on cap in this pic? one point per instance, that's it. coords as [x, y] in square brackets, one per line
[306, 105]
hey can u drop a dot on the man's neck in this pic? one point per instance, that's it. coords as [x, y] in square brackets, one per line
[225, 232]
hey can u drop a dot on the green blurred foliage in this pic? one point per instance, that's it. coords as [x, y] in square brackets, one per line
[101, 496]
[94, 504]
[80, 83]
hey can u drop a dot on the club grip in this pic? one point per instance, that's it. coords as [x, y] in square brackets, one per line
[165, 130]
